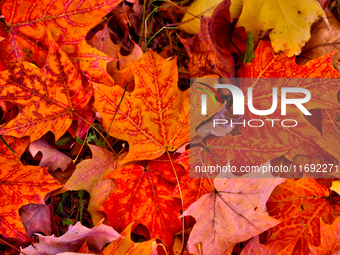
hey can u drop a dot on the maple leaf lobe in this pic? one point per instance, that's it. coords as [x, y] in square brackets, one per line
[145, 118]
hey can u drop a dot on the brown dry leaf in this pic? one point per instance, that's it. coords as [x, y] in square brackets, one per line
[73, 239]
[205, 57]
[36, 218]
[324, 39]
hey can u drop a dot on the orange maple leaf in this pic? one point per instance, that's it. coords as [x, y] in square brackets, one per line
[300, 204]
[144, 195]
[47, 97]
[27, 23]
[193, 185]
[267, 64]
[20, 185]
[154, 118]
[329, 235]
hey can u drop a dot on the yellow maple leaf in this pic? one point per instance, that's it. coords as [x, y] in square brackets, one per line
[290, 22]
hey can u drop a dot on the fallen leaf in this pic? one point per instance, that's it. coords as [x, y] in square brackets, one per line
[255, 247]
[51, 157]
[325, 38]
[209, 49]
[335, 186]
[289, 22]
[99, 194]
[47, 97]
[73, 239]
[121, 70]
[241, 150]
[126, 246]
[81, 122]
[267, 64]
[172, 12]
[300, 204]
[329, 235]
[144, 195]
[193, 185]
[102, 41]
[154, 118]
[36, 218]
[27, 24]
[330, 120]
[126, 61]
[235, 212]
[89, 175]
[20, 185]
[191, 24]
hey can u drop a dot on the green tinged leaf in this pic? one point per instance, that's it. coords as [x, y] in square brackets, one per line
[249, 54]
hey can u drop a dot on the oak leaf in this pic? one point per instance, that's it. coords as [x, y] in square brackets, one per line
[289, 22]
[144, 195]
[20, 185]
[89, 175]
[154, 118]
[235, 212]
[47, 97]
[51, 157]
[73, 239]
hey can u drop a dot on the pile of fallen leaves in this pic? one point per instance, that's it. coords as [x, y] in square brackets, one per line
[97, 142]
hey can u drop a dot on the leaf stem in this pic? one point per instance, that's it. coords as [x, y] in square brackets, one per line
[15, 248]
[9, 147]
[95, 130]
[121, 99]
[146, 45]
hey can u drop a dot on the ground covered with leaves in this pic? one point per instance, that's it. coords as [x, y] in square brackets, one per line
[97, 141]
